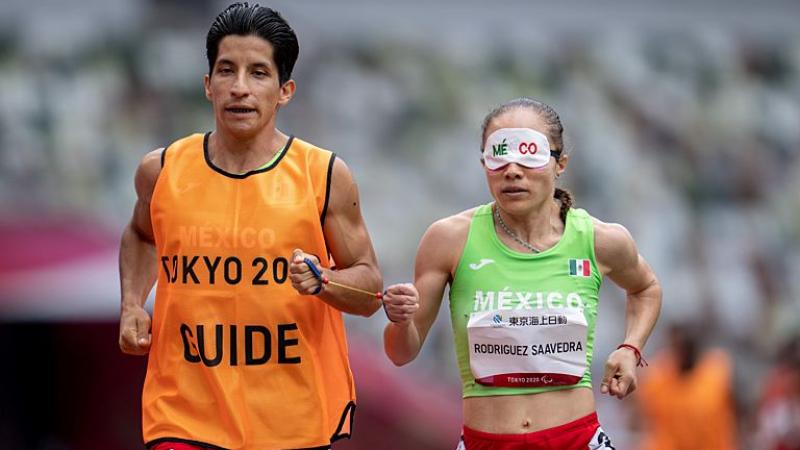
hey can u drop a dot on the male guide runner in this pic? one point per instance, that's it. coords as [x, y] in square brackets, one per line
[247, 348]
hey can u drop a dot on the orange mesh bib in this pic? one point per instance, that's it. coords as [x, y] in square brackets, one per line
[693, 410]
[239, 359]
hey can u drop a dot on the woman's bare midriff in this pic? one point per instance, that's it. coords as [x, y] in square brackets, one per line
[516, 414]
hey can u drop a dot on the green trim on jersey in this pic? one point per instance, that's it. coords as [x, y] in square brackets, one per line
[545, 272]
[271, 161]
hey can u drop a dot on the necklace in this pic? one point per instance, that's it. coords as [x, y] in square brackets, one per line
[512, 234]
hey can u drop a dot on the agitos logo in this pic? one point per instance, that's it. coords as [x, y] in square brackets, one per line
[528, 148]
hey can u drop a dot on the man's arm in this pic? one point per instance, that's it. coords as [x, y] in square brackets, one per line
[620, 260]
[137, 261]
[351, 248]
[412, 308]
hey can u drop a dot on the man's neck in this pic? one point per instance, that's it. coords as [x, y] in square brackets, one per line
[235, 154]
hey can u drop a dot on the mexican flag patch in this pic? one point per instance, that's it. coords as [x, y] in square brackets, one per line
[580, 267]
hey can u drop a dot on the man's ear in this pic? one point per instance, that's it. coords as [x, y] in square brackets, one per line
[287, 92]
[207, 85]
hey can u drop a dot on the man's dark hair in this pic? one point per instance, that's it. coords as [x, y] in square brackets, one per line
[243, 19]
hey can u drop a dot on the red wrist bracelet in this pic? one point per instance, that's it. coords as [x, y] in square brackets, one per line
[640, 360]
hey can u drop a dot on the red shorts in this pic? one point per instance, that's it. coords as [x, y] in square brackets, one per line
[176, 446]
[582, 434]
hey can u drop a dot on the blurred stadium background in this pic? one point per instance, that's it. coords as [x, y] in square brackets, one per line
[684, 119]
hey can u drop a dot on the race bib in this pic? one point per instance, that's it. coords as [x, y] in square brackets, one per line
[543, 347]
